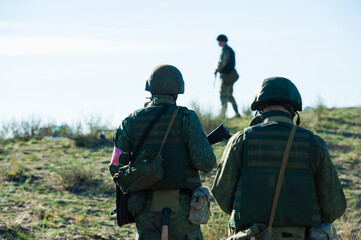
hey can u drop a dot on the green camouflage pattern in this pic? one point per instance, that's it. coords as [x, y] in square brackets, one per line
[224, 58]
[329, 192]
[165, 79]
[261, 164]
[200, 156]
[149, 223]
[226, 95]
[276, 90]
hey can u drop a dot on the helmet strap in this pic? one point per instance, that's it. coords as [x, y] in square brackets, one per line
[298, 121]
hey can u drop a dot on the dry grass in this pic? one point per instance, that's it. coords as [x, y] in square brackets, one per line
[53, 188]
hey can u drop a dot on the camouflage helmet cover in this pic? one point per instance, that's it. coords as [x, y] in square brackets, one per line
[222, 38]
[165, 79]
[277, 90]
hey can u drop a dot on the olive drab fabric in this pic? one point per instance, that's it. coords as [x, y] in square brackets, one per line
[166, 80]
[226, 65]
[311, 190]
[227, 60]
[179, 173]
[276, 90]
[185, 152]
[264, 146]
[179, 226]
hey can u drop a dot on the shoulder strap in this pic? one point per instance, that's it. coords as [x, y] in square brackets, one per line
[280, 178]
[169, 128]
[146, 133]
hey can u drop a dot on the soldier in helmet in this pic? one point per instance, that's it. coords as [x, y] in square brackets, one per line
[228, 75]
[246, 179]
[185, 152]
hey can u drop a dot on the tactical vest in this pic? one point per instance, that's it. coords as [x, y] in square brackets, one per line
[179, 173]
[232, 61]
[264, 147]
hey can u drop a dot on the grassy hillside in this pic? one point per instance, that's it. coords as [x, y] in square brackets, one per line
[60, 188]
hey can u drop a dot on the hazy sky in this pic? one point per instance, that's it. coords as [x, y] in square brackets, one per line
[63, 60]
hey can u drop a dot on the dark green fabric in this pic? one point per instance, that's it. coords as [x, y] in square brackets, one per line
[174, 151]
[198, 156]
[149, 224]
[263, 152]
[231, 61]
[332, 201]
[165, 79]
[275, 90]
[185, 152]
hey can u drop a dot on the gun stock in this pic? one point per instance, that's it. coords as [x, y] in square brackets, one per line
[219, 134]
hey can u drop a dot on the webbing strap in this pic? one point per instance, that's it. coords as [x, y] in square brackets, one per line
[146, 133]
[169, 128]
[280, 178]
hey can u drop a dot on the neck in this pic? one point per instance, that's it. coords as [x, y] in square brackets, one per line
[275, 107]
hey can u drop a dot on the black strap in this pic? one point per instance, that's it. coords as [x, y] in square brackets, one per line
[146, 133]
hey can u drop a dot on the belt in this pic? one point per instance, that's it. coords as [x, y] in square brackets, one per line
[186, 191]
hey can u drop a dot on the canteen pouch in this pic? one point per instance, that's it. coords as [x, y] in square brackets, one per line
[136, 202]
[231, 78]
[140, 175]
[325, 231]
[199, 206]
[123, 215]
[255, 232]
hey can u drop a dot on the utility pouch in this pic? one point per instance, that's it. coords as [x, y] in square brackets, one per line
[199, 206]
[325, 231]
[143, 173]
[147, 169]
[230, 78]
[136, 202]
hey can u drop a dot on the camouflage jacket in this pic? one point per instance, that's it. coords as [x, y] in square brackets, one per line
[226, 61]
[329, 191]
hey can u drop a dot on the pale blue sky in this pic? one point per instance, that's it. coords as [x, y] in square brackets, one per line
[63, 60]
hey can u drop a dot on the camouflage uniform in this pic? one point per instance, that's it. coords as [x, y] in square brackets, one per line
[199, 156]
[226, 92]
[247, 175]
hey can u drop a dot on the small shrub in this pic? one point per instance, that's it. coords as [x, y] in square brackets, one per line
[15, 170]
[320, 107]
[208, 119]
[77, 174]
[246, 110]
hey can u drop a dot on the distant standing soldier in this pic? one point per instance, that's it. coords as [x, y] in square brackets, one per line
[186, 151]
[246, 179]
[226, 68]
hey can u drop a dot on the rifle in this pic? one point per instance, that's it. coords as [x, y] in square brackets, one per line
[219, 134]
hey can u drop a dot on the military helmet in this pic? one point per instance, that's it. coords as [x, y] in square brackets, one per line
[277, 90]
[165, 79]
[222, 38]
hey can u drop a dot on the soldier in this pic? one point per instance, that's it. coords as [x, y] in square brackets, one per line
[226, 68]
[246, 179]
[186, 151]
